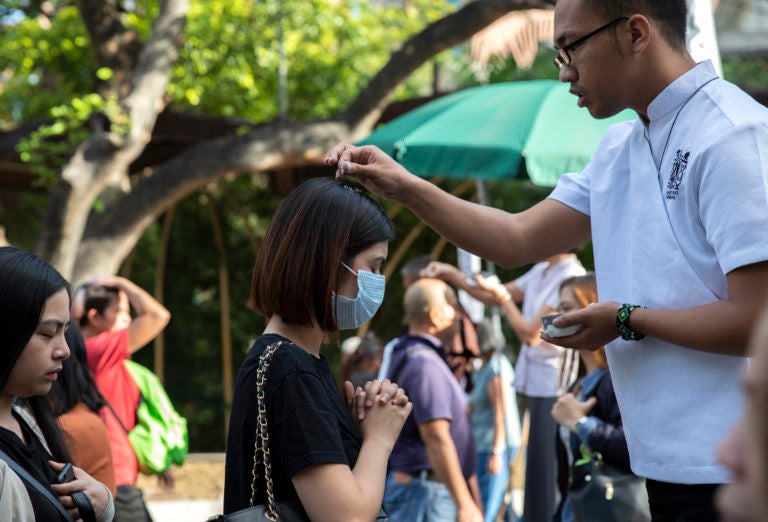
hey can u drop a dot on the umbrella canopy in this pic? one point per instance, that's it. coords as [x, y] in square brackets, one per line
[497, 131]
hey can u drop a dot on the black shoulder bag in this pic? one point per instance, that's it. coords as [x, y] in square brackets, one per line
[600, 491]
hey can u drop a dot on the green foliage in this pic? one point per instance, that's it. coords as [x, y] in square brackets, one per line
[50, 146]
[499, 70]
[750, 74]
[44, 67]
[229, 63]
[229, 59]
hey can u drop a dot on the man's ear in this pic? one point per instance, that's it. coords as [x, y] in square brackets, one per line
[434, 315]
[639, 32]
[439, 316]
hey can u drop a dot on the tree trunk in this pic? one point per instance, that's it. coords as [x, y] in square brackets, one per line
[103, 160]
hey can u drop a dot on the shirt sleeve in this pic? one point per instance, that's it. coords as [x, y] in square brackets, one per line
[106, 350]
[733, 196]
[523, 281]
[307, 427]
[573, 190]
[427, 381]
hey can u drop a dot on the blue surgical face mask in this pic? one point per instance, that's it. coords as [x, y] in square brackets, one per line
[353, 313]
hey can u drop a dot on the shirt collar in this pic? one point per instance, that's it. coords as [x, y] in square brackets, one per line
[678, 92]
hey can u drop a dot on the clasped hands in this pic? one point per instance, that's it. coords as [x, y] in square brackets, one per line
[381, 406]
[375, 392]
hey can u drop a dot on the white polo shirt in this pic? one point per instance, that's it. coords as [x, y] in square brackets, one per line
[710, 195]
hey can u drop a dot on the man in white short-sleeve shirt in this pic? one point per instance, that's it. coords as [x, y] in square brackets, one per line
[676, 205]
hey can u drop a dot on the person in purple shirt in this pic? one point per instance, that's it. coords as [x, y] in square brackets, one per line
[434, 456]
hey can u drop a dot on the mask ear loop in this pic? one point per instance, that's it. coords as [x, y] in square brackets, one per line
[345, 266]
[351, 271]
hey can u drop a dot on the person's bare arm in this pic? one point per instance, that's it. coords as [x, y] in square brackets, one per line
[509, 240]
[151, 316]
[480, 290]
[444, 460]
[496, 398]
[529, 332]
[453, 276]
[718, 327]
[337, 492]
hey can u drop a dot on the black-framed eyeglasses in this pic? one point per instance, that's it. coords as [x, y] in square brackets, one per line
[563, 57]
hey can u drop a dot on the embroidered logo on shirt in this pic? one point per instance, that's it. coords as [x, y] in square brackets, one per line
[678, 171]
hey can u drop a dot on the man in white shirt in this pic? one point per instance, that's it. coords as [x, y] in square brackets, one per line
[676, 206]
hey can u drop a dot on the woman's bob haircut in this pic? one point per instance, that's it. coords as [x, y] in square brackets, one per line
[322, 223]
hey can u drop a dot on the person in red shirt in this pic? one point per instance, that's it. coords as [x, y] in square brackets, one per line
[103, 308]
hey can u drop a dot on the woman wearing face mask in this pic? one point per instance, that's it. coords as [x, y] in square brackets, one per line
[317, 271]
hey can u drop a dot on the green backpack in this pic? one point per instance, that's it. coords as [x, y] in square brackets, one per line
[159, 438]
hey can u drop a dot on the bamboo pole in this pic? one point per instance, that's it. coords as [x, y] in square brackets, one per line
[162, 261]
[225, 315]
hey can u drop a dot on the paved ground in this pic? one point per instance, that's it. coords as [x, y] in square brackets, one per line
[199, 489]
[186, 510]
[200, 510]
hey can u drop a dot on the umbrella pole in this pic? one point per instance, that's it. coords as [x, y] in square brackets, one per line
[490, 266]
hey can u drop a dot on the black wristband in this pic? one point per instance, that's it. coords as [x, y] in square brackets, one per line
[622, 323]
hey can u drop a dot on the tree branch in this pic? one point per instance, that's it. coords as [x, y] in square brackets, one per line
[115, 47]
[268, 147]
[441, 35]
[103, 159]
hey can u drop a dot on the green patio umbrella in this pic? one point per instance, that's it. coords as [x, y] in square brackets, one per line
[511, 130]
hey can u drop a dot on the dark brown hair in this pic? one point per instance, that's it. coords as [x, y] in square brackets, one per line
[322, 223]
[96, 298]
[670, 15]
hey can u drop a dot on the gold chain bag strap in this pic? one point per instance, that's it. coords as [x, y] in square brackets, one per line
[284, 511]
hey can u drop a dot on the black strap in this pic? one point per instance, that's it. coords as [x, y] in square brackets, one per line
[32, 481]
[84, 506]
[403, 344]
[120, 422]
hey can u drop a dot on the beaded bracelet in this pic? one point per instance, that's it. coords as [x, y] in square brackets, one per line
[622, 323]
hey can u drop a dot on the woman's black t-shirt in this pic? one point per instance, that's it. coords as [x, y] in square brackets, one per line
[307, 419]
[33, 457]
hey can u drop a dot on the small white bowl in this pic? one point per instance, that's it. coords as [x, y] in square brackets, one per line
[553, 331]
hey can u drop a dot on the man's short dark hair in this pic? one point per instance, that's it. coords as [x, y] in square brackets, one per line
[670, 15]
